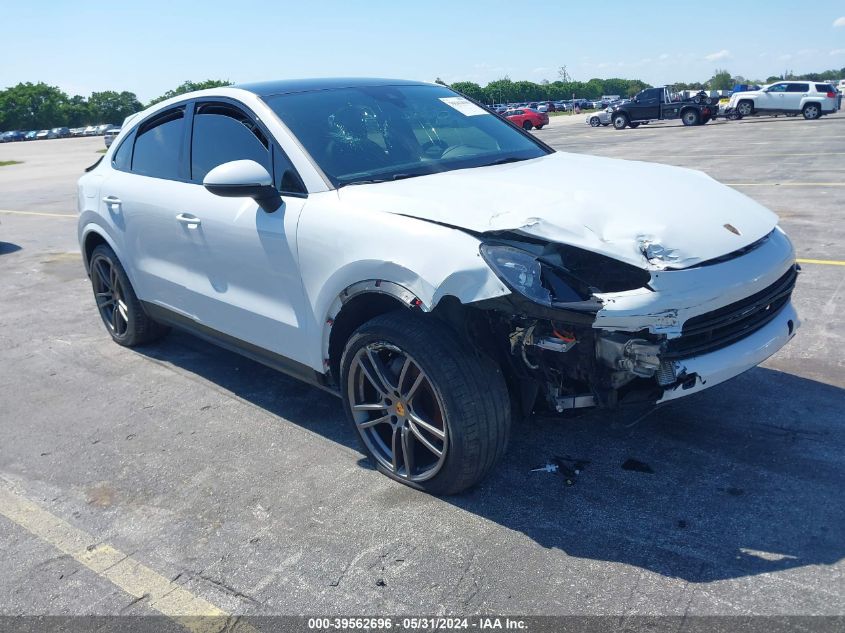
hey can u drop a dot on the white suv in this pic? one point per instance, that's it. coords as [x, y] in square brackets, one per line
[812, 99]
[432, 264]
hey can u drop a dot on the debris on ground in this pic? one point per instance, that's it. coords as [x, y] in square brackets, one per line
[567, 466]
[637, 466]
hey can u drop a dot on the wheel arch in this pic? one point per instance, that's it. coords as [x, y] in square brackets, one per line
[92, 236]
[356, 305]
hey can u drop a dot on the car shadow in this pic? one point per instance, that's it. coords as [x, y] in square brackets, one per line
[8, 247]
[739, 480]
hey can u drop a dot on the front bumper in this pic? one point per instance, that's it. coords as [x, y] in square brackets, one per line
[702, 372]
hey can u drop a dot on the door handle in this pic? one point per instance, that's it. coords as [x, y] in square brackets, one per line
[191, 221]
[111, 200]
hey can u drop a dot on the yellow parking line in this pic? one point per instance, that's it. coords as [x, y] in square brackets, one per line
[49, 215]
[166, 597]
[823, 262]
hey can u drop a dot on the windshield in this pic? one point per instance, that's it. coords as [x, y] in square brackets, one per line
[379, 133]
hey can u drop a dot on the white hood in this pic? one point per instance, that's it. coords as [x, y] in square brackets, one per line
[619, 208]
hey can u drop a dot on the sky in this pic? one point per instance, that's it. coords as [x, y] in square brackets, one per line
[151, 46]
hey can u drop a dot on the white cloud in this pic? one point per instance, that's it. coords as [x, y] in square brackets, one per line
[714, 57]
[839, 21]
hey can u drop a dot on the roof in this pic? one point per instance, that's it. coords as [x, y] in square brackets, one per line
[287, 86]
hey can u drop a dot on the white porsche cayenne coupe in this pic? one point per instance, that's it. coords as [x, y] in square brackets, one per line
[433, 265]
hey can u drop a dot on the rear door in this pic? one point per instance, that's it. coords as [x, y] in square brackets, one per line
[148, 182]
[795, 96]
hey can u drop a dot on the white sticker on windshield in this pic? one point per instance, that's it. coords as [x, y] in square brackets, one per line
[464, 106]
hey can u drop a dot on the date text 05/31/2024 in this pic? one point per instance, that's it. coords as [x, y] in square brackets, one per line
[413, 624]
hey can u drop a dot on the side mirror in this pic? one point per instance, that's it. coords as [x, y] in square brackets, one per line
[243, 179]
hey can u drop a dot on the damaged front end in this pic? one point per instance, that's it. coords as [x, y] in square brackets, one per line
[582, 329]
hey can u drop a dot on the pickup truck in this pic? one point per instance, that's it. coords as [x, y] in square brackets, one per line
[658, 104]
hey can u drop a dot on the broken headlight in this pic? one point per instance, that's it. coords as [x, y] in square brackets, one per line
[519, 270]
[559, 273]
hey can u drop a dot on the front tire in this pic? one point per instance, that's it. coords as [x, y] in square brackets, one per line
[527, 125]
[620, 121]
[595, 121]
[431, 412]
[119, 307]
[812, 111]
[745, 108]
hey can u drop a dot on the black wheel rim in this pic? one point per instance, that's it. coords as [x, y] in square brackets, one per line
[397, 412]
[109, 294]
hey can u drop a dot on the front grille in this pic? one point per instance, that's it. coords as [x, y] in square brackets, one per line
[714, 330]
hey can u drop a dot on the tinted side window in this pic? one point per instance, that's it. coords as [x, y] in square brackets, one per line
[158, 146]
[221, 134]
[122, 158]
[778, 88]
[824, 88]
[798, 87]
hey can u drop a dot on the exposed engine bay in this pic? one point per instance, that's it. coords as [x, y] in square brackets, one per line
[548, 336]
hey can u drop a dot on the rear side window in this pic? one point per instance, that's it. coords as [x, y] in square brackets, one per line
[122, 158]
[158, 146]
[798, 88]
[223, 133]
[824, 88]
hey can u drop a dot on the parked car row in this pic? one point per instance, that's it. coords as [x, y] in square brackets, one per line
[56, 132]
[555, 106]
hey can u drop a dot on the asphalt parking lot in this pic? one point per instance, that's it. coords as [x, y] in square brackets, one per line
[228, 486]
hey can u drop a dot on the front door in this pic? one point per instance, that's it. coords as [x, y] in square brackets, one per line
[773, 99]
[243, 275]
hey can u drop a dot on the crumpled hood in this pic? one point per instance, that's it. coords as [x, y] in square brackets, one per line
[646, 214]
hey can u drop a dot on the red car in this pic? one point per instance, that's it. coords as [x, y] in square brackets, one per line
[526, 118]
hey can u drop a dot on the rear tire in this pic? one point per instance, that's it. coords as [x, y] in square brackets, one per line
[425, 371]
[117, 303]
[812, 111]
[690, 117]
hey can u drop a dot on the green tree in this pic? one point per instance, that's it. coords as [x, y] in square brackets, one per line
[502, 90]
[529, 91]
[190, 86]
[721, 80]
[472, 90]
[76, 112]
[31, 106]
[112, 107]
